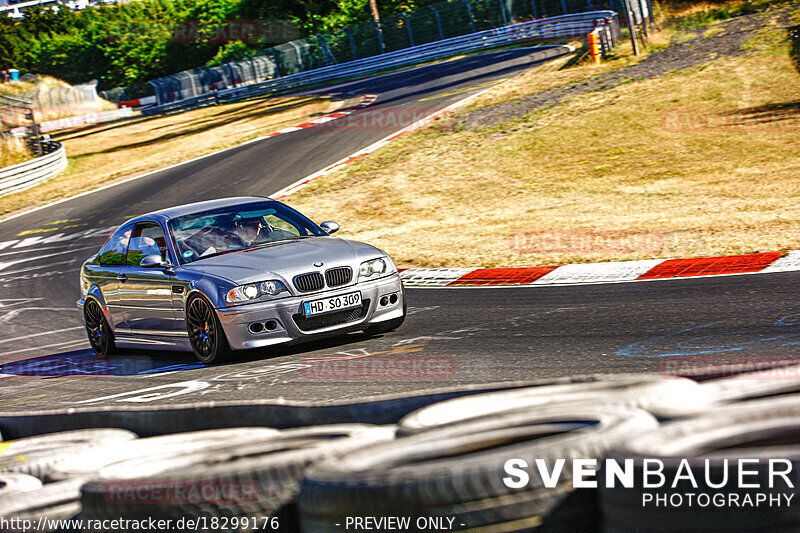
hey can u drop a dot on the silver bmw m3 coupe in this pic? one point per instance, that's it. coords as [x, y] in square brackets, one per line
[224, 275]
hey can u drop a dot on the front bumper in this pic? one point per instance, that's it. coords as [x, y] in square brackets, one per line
[263, 324]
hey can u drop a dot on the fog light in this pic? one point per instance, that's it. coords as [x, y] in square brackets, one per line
[384, 301]
[256, 327]
[270, 325]
[393, 298]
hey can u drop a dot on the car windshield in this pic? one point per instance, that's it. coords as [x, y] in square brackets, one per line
[237, 227]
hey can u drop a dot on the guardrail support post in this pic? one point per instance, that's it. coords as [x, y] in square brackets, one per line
[533, 8]
[503, 12]
[564, 6]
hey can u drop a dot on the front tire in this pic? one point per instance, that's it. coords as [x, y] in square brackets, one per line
[205, 332]
[100, 335]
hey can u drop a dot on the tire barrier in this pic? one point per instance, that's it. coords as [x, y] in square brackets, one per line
[37, 455]
[53, 501]
[25, 175]
[263, 477]
[638, 391]
[698, 452]
[11, 483]
[441, 458]
[720, 392]
[456, 473]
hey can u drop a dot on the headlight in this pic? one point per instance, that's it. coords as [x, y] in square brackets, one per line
[254, 291]
[375, 267]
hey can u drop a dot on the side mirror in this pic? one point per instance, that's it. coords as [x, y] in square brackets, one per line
[154, 261]
[330, 227]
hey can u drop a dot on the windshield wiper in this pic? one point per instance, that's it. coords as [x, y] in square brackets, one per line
[276, 241]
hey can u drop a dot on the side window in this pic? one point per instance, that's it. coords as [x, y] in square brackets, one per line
[147, 239]
[113, 251]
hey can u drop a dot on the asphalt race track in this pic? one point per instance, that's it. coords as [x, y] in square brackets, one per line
[451, 337]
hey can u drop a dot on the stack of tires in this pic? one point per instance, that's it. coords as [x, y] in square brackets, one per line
[532, 458]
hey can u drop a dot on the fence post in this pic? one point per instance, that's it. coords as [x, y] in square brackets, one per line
[438, 22]
[503, 12]
[471, 18]
[533, 7]
[277, 63]
[352, 43]
[631, 26]
[564, 6]
[379, 31]
[298, 54]
[408, 25]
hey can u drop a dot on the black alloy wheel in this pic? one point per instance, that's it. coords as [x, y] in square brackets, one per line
[205, 332]
[100, 336]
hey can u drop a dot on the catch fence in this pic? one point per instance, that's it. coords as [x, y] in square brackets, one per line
[430, 24]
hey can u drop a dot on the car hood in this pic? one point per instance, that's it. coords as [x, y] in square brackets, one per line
[285, 259]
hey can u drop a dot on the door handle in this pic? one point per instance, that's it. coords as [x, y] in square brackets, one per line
[122, 277]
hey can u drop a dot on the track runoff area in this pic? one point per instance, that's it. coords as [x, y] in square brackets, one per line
[458, 344]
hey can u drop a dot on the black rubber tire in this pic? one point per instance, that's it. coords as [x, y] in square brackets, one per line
[37, 455]
[53, 501]
[271, 470]
[637, 390]
[390, 325]
[101, 338]
[745, 387]
[458, 471]
[13, 482]
[755, 430]
[154, 454]
[205, 332]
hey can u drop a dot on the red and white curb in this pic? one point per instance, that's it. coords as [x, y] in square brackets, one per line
[366, 100]
[650, 269]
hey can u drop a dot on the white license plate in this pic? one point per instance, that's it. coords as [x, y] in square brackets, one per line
[332, 303]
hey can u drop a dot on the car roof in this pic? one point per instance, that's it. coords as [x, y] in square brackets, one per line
[197, 207]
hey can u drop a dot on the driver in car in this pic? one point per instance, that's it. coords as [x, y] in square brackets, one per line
[250, 228]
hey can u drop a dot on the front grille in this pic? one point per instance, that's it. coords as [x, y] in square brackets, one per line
[331, 319]
[313, 281]
[338, 276]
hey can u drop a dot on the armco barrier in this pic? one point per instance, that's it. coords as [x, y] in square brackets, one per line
[24, 175]
[566, 26]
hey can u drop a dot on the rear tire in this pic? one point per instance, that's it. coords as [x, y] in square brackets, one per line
[97, 329]
[205, 332]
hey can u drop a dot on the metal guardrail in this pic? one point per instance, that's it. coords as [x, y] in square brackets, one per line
[537, 30]
[24, 175]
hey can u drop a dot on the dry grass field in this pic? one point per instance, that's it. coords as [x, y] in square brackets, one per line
[704, 161]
